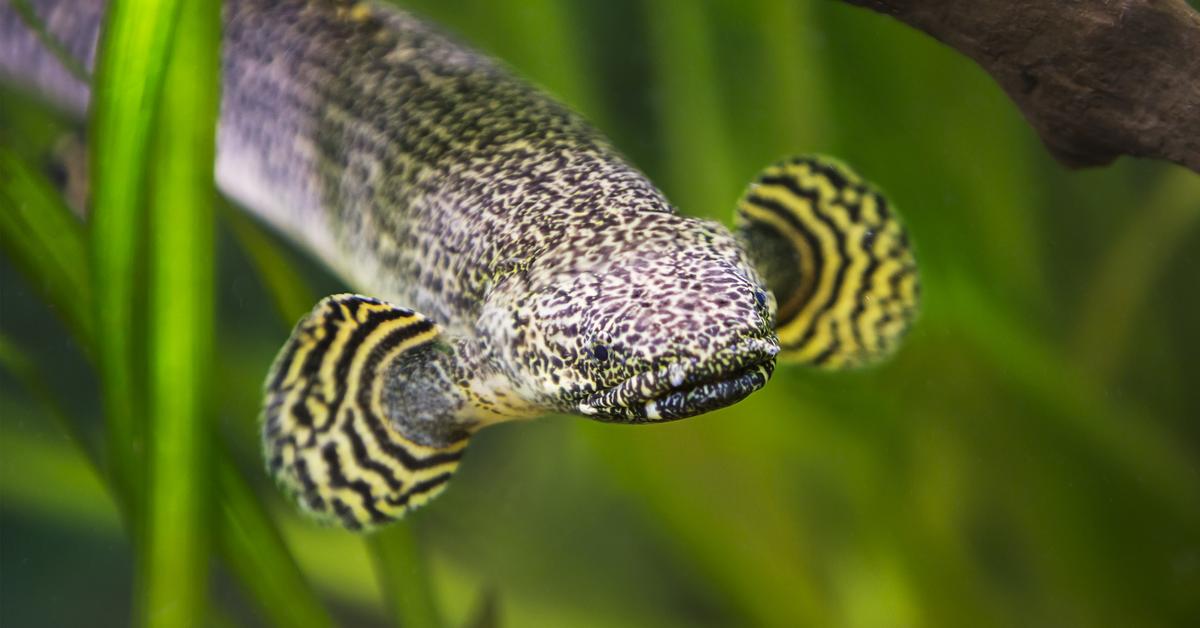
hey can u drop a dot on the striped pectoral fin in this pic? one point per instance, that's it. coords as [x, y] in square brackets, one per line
[331, 433]
[836, 257]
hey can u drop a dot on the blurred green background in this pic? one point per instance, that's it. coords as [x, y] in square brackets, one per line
[1031, 457]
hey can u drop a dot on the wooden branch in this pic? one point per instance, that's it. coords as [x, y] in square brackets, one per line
[1096, 78]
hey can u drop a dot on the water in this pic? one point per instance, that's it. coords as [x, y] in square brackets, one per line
[1030, 457]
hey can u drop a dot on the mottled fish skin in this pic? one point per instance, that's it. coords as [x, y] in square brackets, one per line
[427, 175]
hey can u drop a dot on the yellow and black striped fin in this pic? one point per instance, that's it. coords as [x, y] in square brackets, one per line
[836, 257]
[328, 434]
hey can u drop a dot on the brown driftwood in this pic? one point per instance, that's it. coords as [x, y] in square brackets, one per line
[1096, 78]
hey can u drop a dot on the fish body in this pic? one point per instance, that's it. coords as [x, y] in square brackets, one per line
[517, 264]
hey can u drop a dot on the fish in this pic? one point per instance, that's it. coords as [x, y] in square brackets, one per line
[506, 261]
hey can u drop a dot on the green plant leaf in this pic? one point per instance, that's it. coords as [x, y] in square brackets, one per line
[130, 66]
[403, 576]
[45, 241]
[180, 330]
[248, 539]
[257, 555]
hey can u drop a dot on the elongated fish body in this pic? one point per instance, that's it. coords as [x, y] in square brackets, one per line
[531, 268]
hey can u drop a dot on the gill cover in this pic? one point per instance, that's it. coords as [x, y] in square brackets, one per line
[329, 432]
[836, 257]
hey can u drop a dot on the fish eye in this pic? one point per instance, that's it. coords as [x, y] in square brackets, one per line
[760, 297]
[600, 352]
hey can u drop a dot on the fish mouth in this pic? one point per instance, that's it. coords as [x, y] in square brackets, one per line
[683, 389]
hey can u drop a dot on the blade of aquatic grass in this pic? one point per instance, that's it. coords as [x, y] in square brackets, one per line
[250, 542]
[765, 576]
[774, 88]
[49, 41]
[220, 618]
[695, 147]
[486, 613]
[403, 576]
[40, 476]
[242, 524]
[180, 317]
[18, 363]
[337, 562]
[1116, 430]
[41, 236]
[538, 37]
[249, 539]
[254, 550]
[129, 74]
[1124, 278]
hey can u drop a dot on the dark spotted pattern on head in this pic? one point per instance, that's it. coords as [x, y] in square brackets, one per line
[669, 294]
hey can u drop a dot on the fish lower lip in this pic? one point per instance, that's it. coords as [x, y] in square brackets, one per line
[677, 391]
[692, 399]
